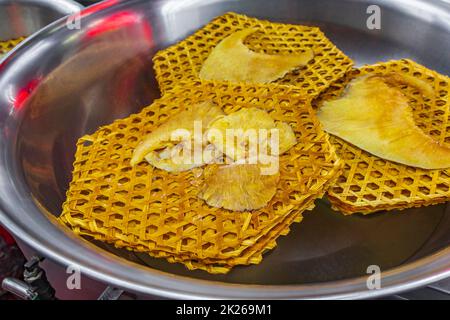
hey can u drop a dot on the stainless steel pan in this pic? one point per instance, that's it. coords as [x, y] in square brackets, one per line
[65, 82]
[19, 18]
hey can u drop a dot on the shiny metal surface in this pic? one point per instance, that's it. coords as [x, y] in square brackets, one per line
[19, 288]
[20, 18]
[65, 83]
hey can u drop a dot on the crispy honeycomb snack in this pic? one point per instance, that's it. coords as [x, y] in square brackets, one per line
[8, 45]
[184, 60]
[369, 183]
[147, 209]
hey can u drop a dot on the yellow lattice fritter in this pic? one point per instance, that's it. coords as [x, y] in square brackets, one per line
[6, 46]
[369, 183]
[147, 209]
[253, 255]
[184, 60]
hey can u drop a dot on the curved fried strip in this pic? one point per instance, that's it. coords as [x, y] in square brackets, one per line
[231, 60]
[173, 159]
[160, 139]
[238, 187]
[242, 130]
[376, 118]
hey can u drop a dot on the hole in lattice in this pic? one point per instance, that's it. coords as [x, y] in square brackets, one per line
[167, 236]
[112, 166]
[390, 183]
[169, 221]
[229, 236]
[81, 202]
[139, 187]
[393, 172]
[124, 180]
[151, 229]
[189, 227]
[388, 195]
[263, 217]
[370, 197]
[227, 250]
[278, 205]
[85, 192]
[173, 197]
[98, 223]
[188, 242]
[119, 204]
[373, 186]
[207, 246]
[376, 174]
[98, 209]
[425, 178]
[408, 181]
[105, 187]
[424, 190]
[338, 190]
[136, 211]
[406, 193]
[102, 197]
[349, 155]
[153, 216]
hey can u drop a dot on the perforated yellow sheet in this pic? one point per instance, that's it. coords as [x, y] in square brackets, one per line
[184, 60]
[369, 183]
[146, 209]
[6, 46]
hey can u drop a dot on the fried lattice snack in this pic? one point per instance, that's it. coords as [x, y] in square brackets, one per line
[8, 45]
[370, 183]
[146, 209]
[184, 60]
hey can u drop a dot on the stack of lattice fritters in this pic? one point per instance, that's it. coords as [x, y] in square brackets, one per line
[146, 209]
[8, 45]
[369, 183]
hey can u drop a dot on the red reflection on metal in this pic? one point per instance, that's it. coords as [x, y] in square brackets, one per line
[24, 93]
[97, 7]
[114, 22]
[9, 240]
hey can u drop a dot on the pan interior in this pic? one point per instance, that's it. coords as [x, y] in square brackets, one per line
[109, 76]
[22, 18]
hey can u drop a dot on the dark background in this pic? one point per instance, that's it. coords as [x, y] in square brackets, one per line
[88, 2]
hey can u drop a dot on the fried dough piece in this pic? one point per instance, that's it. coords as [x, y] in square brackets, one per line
[377, 118]
[159, 147]
[238, 187]
[240, 125]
